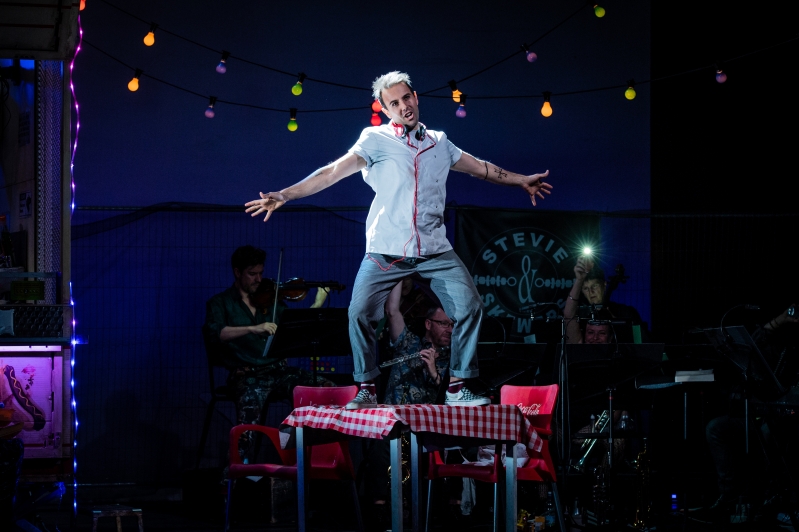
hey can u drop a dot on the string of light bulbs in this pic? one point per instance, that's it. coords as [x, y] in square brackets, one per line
[149, 40]
[457, 96]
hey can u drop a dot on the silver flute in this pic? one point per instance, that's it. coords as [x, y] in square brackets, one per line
[411, 356]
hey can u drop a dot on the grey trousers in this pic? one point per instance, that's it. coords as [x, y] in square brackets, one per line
[451, 283]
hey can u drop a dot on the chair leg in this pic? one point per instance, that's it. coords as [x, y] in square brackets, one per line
[209, 412]
[497, 507]
[230, 483]
[427, 510]
[356, 500]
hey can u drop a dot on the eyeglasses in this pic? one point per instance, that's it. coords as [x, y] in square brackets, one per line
[445, 324]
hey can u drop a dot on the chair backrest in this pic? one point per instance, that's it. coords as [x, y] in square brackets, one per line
[537, 403]
[330, 460]
[324, 395]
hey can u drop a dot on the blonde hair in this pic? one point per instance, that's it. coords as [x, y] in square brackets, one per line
[386, 81]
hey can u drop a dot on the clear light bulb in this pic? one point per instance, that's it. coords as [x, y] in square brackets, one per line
[546, 109]
[461, 112]
[149, 39]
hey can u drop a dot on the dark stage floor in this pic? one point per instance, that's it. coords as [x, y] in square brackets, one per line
[200, 507]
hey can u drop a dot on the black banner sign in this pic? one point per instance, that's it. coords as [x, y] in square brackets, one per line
[522, 262]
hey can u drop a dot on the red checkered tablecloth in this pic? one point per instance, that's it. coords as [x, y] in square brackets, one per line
[494, 422]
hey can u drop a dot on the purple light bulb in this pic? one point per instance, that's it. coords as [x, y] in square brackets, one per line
[461, 112]
[531, 57]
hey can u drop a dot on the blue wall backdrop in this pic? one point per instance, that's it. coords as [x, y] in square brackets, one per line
[156, 145]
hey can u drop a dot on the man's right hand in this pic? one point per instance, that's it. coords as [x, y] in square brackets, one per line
[268, 203]
[264, 328]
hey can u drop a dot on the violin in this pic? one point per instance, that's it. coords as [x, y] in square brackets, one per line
[295, 289]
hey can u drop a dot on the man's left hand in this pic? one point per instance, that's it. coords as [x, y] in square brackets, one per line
[535, 186]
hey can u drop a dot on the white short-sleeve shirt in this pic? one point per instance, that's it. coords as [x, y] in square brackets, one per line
[409, 178]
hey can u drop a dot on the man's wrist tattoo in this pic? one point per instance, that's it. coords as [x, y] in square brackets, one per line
[501, 174]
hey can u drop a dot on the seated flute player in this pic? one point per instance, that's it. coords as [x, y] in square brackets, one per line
[419, 377]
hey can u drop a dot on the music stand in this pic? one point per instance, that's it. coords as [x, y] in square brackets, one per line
[596, 369]
[737, 345]
[312, 329]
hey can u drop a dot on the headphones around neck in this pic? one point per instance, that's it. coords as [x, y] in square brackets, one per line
[402, 131]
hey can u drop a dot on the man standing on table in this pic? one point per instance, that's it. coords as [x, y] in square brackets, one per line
[406, 165]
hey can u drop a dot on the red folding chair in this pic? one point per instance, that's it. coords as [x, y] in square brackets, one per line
[330, 461]
[538, 405]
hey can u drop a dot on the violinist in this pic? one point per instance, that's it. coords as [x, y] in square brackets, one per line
[237, 326]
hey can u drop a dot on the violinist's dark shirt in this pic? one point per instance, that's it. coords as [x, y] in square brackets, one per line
[227, 309]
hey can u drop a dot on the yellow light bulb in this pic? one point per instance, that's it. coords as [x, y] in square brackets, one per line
[149, 39]
[546, 109]
[456, 96]
[629, 93]
[133, 85]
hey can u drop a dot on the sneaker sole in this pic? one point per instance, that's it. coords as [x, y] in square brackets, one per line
[467, 403]
[359, 406]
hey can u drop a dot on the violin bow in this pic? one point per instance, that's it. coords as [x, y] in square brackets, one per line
[274, 308]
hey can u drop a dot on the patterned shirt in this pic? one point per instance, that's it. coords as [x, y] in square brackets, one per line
[409, 382]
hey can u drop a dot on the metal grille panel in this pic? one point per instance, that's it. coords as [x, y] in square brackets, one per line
[49, 80]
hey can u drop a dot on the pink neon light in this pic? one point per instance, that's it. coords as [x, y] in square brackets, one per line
[77, 114]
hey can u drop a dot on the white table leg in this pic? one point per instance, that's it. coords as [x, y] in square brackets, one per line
[416, 454]
[510, 487]
[395, 445]
[302, 479]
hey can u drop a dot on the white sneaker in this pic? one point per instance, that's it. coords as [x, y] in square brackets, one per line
[364, 399]
[466, 398]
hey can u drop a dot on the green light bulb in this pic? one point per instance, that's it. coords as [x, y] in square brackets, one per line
[293, 125]
[629, 93]
[296, 90]
[599, 11]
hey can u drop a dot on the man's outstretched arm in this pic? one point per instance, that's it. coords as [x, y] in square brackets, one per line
[533, 184]
[317, 181]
